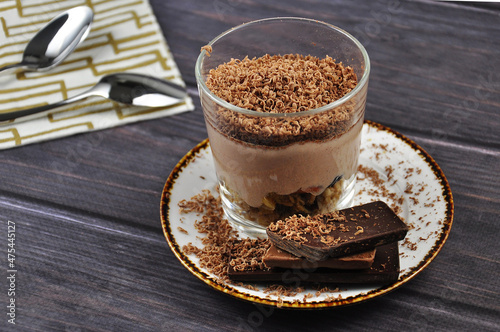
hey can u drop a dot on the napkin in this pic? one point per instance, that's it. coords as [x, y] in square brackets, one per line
[124, 37]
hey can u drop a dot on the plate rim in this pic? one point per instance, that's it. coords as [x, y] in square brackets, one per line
[227, 289]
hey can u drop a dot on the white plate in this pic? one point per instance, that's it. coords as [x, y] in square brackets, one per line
[415, 186]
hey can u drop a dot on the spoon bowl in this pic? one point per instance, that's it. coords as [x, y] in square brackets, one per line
[54, 42]
[126, 88]
[140, 90]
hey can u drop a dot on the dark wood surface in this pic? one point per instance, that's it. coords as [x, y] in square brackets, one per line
[90, 250]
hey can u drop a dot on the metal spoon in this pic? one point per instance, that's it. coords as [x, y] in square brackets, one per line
[53, 43]
[126, 88]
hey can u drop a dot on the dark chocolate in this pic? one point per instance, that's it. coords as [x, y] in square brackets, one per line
[364, 228]
[385, 269]
[276, 257]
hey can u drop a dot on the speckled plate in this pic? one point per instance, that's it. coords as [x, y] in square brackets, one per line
[408, 179]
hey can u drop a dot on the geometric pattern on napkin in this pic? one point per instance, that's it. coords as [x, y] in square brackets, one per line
[124, 37]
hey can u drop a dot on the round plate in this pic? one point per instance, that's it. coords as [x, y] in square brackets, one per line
[393, 169]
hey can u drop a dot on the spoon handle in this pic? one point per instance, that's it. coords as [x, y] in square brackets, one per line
[34, 110]
[11, 66]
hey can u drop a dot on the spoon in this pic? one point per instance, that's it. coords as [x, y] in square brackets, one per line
[125, 88]
[53, 43]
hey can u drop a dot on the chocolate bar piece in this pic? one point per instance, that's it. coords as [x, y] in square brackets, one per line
[385, 269]
[353, 230]
[276, 257]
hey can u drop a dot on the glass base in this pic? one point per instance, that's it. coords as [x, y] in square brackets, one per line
[253, 222]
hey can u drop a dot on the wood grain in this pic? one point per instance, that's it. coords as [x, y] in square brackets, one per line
[91, 253]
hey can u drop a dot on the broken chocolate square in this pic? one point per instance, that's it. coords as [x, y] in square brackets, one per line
[276, 257]
[385, 269]
[349, 231]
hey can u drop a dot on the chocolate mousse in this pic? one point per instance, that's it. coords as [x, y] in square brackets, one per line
[277, 159]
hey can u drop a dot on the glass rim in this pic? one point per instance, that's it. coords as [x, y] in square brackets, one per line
[364, 79]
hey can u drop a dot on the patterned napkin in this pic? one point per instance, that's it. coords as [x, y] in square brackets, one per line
[125, 37]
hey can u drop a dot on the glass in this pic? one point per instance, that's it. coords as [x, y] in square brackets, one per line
[262, 175]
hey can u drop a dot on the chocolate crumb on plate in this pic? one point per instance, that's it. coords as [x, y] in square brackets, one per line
[247, 254]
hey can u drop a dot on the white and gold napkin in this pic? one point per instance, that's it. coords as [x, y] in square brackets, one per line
[124, 37]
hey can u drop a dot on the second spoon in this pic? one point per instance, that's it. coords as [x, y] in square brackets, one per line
[126, 88]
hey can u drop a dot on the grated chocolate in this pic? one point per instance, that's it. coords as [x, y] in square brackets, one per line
[282, 84]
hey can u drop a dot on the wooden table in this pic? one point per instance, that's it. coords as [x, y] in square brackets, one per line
[90, 252]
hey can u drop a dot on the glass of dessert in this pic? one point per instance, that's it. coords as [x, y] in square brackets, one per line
[284, 102]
